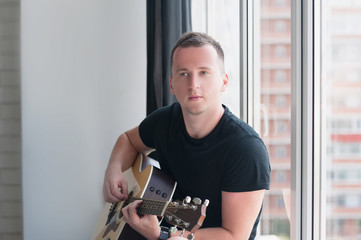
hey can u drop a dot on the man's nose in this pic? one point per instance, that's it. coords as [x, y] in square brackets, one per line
[194, 81]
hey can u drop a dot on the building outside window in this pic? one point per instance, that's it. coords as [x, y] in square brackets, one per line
[341, 68]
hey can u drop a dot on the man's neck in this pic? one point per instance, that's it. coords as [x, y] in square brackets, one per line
[199, 126]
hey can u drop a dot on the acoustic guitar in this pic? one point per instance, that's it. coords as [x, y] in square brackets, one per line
[155, 188]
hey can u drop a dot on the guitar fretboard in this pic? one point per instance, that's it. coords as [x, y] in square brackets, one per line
[149, 207]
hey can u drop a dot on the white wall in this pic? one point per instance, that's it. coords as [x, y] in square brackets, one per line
[83, 83]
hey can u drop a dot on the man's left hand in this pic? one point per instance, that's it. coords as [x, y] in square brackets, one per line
[147, 225]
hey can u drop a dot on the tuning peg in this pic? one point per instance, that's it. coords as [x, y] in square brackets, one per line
[173, 229]
[206, 202]
[175, 203]
[197, 201]
[187, 200]
[169, 217]
[190, 236]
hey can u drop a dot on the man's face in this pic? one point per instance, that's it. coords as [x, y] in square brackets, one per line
[197, 80]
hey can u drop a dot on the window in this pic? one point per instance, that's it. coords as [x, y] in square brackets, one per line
[280, 51]
[281, 152]
[281, 176]
[315, 146]
[281, 101]
[220, 19]
[274, 77]
[341, 112]
[280, 26]
[280, 3]
[280, 76]
[274, 67]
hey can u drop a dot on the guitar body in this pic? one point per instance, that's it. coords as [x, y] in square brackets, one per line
[144, 181]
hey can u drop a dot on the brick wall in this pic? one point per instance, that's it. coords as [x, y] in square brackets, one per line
[10, 122]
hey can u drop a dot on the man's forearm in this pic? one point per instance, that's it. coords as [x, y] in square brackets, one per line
[123, 153]
[210, 234]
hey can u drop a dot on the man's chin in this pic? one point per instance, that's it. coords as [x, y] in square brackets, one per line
[194, 111]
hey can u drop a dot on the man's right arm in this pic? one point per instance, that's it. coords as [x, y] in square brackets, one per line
[125, 151]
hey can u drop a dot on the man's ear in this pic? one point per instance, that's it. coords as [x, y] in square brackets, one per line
[225, 82]
[171, 86]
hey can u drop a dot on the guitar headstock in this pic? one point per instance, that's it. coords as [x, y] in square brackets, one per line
[186, 215]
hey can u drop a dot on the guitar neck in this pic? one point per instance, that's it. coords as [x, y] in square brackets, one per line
[150, 207]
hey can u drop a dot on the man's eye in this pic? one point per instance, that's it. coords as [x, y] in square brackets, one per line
[204, 73]
[183, 74]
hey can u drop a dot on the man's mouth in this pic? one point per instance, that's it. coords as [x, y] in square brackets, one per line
[195, 98]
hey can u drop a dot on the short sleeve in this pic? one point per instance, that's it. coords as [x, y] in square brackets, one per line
[148, 127]
[246, 167]
[153, 130]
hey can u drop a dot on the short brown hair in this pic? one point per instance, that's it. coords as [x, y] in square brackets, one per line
[197, 39]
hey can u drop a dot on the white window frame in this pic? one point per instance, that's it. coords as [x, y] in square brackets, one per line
[307, 196]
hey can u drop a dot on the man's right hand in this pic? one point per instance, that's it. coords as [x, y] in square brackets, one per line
[115, 187]
[125, 151]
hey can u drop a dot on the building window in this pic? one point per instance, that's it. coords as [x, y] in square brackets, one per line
[281, 176]
[280, 3]
[281, 101]
[280, 51]
[280, 76]
[281, 152]
[280, 26]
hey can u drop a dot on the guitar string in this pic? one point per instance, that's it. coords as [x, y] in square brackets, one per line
[157, 205]
[150, 205]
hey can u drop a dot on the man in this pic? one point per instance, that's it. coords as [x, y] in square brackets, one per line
[209, 152]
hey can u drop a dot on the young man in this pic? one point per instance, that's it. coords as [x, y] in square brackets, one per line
[209, 152]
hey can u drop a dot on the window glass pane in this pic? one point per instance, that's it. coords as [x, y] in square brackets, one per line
[341, 113]
[221, 20]
[275, 100]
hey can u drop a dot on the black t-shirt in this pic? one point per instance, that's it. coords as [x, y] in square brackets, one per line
[231, 158]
